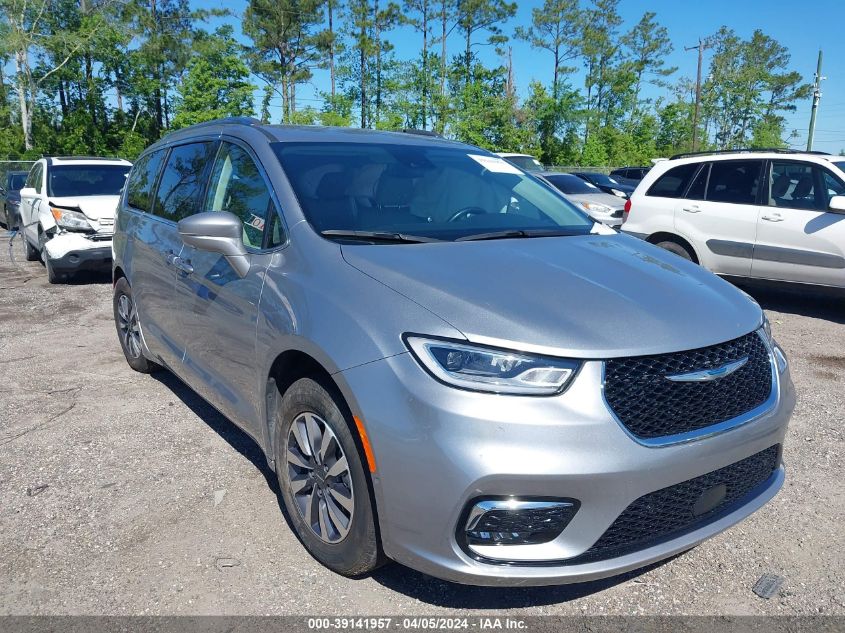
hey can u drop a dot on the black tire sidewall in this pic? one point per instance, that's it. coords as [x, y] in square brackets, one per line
[677, 249]
[359, 552]
[140, 364]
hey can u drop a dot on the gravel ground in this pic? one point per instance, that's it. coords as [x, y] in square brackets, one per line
[126, 494]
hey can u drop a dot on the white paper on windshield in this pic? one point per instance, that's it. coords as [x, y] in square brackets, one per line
[495, 164]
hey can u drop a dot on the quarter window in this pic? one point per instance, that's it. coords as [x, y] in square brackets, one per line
[139, 189]
[182, 181]
[674, 182]
[238, 187]
[736, 182]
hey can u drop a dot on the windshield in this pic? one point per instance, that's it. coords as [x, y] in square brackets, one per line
[417, 190]
[602, 179]
[571, 184]
[528, 163]
[86, 180]
[17, 181]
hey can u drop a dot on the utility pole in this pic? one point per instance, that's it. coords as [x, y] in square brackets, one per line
[696, 117]
[817, 95]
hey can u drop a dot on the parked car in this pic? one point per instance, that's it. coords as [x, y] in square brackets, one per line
[602, 207]
[10, 197]
[629, 175]
[444, 361]
[606, 183]
[523, 161]
[751, 214]
[67, 212]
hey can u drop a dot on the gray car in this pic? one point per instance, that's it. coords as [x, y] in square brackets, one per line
[602, 207]
[445, 362]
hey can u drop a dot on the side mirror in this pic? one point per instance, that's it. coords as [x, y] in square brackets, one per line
[837, 204]
[217, 232]
[28, 191]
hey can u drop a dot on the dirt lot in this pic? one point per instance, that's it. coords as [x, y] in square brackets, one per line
[127, 494]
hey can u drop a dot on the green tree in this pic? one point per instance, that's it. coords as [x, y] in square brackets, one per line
[749, 86]
[216, 84]
[555, 27]
[476, 16]
[648, 44]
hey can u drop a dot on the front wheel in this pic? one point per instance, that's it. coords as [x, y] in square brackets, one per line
[322, 480]
[32, 253]
[678, 249]
[129, 328]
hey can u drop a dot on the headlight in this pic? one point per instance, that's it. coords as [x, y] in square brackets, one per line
[777, 352]
[72, 220]
[479, 368]
[595, 207]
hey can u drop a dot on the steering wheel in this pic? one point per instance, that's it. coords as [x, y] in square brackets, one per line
[466, 213]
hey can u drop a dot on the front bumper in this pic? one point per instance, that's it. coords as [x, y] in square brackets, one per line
[71, 252]
[438, 448]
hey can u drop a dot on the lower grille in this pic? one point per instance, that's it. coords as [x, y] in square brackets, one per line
[669, 512]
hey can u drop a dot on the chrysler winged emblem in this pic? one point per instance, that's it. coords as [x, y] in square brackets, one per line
[706, 375]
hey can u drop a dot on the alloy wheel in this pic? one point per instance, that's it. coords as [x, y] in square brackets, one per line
[319, 477]
[130, 332]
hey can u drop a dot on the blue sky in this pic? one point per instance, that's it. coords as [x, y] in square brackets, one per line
[802, 26]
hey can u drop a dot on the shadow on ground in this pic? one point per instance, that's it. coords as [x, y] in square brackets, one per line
[811, 302]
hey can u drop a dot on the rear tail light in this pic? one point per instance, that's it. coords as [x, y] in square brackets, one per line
[627, 211]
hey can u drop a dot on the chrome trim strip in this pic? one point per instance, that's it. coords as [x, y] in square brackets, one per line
[706, 375]
[483, 507]
[714, 429]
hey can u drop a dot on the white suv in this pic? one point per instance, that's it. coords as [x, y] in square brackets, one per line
[67, 213]
[773, 215]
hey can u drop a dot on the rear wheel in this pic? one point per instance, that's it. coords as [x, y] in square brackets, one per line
[129, 328]
[679, 249]
[322, 480]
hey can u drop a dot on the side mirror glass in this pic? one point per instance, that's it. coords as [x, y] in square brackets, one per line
[837, 204]
[217, 232]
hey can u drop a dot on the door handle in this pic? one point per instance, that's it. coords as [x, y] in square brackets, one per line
[692, 209]
[775, 217]
[171, 258]
[183, 267]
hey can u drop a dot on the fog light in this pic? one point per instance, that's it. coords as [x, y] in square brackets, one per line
[514, 521]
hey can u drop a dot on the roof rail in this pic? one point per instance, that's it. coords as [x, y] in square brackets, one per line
[746, 150]
[115, 158]
[231, 120]
[410, 130]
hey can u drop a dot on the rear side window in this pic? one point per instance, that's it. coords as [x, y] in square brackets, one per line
[674, 182]
[735, 181]
[183, 181]
[139, 189]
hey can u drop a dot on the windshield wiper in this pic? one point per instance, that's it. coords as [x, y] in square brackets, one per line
[378, 236]
[502, 235]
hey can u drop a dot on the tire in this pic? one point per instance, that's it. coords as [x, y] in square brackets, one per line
[32, 253]
[128, 328]
[344, 538]
[52, 276]
[678, 249]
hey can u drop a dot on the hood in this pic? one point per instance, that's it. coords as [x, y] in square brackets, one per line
[596, 296]
[94, 207]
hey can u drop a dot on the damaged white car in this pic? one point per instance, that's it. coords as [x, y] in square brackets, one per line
[67, 213]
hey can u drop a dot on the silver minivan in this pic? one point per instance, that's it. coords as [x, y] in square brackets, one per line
[445, 362]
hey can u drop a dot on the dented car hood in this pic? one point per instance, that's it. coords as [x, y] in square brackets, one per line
[94, 207]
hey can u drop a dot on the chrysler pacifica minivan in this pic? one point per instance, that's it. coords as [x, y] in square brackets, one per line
[446, 363]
